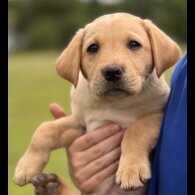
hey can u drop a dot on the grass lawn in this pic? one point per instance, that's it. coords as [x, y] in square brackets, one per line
[33, 84]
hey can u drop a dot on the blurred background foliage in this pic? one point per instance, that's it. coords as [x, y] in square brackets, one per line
[38, 30]
[49, 24]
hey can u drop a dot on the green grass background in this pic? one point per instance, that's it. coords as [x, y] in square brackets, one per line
[33, 84]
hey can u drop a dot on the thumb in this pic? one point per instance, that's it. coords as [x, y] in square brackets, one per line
[56, 110]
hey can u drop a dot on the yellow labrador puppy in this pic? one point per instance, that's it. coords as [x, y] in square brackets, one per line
[115, 64]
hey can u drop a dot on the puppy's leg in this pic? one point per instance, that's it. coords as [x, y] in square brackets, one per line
[48, 136]
[138, 141]
[50, 184]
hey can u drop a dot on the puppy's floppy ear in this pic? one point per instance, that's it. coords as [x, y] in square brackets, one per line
[165, 51]
[68, 63]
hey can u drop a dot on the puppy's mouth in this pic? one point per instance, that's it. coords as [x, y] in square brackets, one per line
[116, 92]
[107, 89]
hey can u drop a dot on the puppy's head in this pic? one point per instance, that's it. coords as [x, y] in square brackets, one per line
[116, 53]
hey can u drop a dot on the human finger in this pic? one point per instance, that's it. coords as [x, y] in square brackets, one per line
[89, 185]
[56, 110]
[95, 166]
[103, 147]
[92, 138]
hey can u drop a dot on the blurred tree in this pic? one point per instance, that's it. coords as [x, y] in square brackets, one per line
[51, 24]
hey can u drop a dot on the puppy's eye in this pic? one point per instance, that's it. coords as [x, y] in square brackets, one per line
[134, 45]
[93, 48]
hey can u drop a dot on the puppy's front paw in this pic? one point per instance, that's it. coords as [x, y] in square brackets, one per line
[132, 174]
[28, 167]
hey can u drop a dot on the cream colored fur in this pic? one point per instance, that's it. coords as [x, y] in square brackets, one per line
[138, 105]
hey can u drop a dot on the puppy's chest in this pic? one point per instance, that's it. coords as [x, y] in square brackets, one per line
[94, 116]
[99, 117]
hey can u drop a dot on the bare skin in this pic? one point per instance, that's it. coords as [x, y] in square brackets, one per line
[92, 157]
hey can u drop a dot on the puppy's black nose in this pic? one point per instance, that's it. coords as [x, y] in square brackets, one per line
[112, 73]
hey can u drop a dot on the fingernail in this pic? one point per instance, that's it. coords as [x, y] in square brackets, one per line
[116, 127]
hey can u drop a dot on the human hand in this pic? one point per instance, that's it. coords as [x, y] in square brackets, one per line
[93, 157]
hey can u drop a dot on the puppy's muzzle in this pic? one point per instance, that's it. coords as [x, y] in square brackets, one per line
[113, 73]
